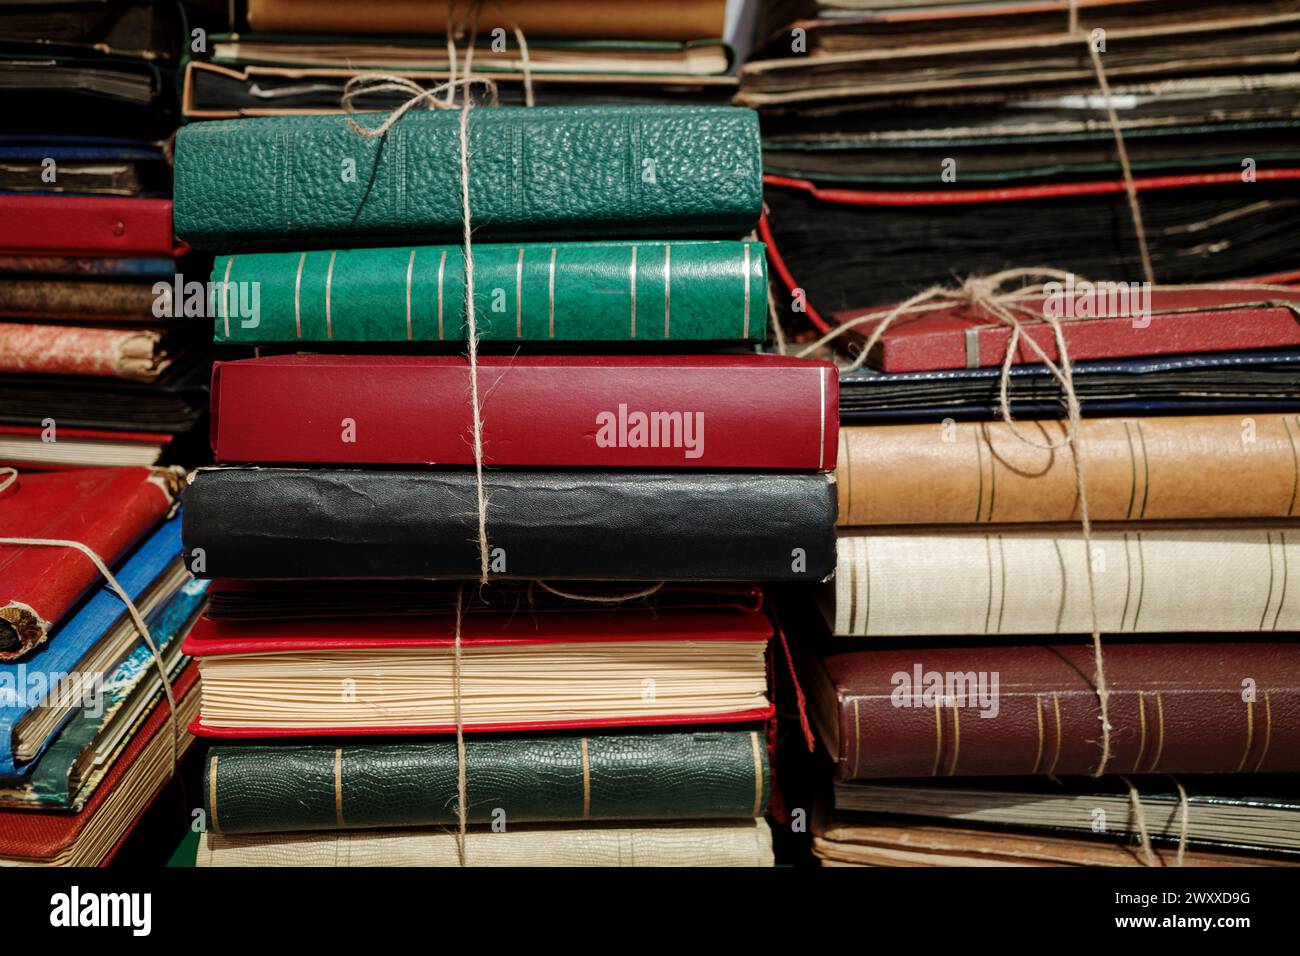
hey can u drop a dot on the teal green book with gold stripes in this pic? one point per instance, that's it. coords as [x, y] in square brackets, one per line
[635, 292]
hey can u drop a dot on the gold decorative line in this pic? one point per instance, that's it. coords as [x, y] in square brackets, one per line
[519, 294]
[329, 282]
[988, 608]
[1142, 581]
[1132, 472]
[1038, 757]
[225, 294]
[297, 296]
[979, 470]
[758, 774]
[993, 481]
[848, 473]
[1146, 469]
[857, 736]
[1250, 734]
[1268, 598]
[866, 570]
[1268, 732]
[1002, 581]
[338, 787]
[1142, 730]
[1128, 582]
[938, 740]
[1286, 573]
[745, 332]
[956, 739]
[631, 278]
[550, 293]
[668, 263]
[410, 265]
[212, 794]
[853, 588]
[586, 781]
[442, 271]
[1160, 733]
[1295, 464]
[1056, 754]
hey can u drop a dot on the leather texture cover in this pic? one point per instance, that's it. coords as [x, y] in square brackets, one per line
[690, 411]
[69, 771]
[716, 843]
[1179, 321]
[56, 837]
[618, 526]
[1267, 380]
[1175, 707]
[572, 171]
[1148, 578]
[85, 225]
[684, 20]
[73, 639]
[567, 292]
[82, 350]
[261, 788]
[91, 300]
[1151, 468]
[106, 509]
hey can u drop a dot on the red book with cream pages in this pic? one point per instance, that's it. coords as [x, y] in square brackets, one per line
[106, 509]
[719, 412]
[597, 667]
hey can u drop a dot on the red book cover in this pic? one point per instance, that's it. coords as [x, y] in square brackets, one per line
[696, 411]
[40, 835]
[210, 639]
[106, 509]
[86, 225]
[1096, 324]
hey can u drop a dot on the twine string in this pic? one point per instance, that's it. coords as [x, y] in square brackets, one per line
[600, 598]
[1139, 821]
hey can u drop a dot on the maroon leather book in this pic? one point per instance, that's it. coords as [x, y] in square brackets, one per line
[1175, 707]
[1158, 322]
[693, 411]
[86, 225]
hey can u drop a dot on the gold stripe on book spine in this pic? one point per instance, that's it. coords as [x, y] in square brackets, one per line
[212, 794]
[338, 787]
[1268, 732]
[758, 772]
[586, 780]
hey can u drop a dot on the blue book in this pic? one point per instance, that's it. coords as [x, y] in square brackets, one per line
[25, 684]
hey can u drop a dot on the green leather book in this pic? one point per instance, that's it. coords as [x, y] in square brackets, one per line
[571, 172]
[686, 291]
[262, 788]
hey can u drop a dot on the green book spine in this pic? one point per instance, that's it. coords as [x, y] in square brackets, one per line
[262, 788]
[570, 292]
[594, 171]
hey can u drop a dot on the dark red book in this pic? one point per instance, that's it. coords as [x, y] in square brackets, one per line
[106, 509]
[85, 225]
[696, 411]
[1095, 323]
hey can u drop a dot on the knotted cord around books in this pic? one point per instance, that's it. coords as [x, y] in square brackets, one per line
[10, 480]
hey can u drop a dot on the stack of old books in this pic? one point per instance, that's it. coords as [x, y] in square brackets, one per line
[287, 57]
[965, 594]
[86, 731]
[98, 363]
[610, 686]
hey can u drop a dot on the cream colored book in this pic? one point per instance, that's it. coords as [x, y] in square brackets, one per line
[1014, 580]
[739, 843]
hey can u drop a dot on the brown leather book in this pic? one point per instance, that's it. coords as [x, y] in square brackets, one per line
[847, 840]
[1175, 707]
[1135, 469]
[576, 19]
[85, 300]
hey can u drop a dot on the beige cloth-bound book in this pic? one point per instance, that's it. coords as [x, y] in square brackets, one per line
[738, 843]
[1004, 580]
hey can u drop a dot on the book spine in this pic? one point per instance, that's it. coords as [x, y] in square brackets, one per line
[986, 711]
[78, 350]
[94, 225]
[570, 292]
[1013, 581]
[87, 299]
[1142, 469]
[266, 788]
[576, 171]
[257, 523]
[535, 414]
[738, 843]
